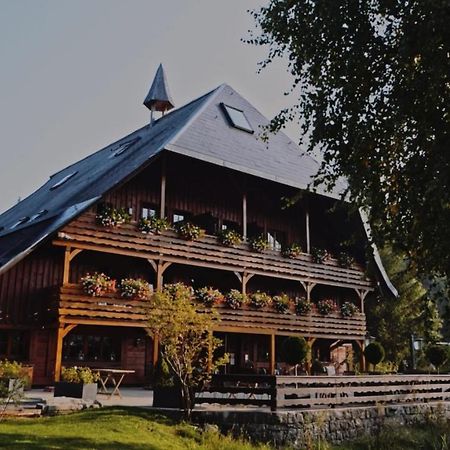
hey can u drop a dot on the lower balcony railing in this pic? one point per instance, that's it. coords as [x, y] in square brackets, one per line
[74, 304]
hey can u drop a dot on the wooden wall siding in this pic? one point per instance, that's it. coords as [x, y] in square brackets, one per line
[24, 288]
[75, 306]
[42, 355]
[207, 252]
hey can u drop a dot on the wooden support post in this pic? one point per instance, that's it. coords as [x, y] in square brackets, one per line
[160, 269]
[62, 331]
[244, 216]
[245, 279]
[162, 204]
[272, 361]
[308, 285]
[362, 359]
[310, 341]
[362, 294]
[66, 269]
[308, 236]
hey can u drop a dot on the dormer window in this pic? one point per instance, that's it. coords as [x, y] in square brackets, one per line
[63, 180]
[20, 222]
[237, 118]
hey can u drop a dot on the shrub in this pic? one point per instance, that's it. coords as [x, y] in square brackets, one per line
[302, 306]
[345, 259]
[189, 231]
[374, 353]
[79, 375]
[209, 296]
[349, 309]
[326, 306]
[10, 369]
[229, 237]
[259, 244]
[260, 299]
[97, 284]
[112, 217]
[153, 225]
[295, 349]
[235, 299]
[178, 290]
[131, 288]
[10, 392]
[319, 255]
[281, 303]
[437, 355]
[292, 251]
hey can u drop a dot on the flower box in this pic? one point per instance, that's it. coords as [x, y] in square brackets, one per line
[85, 391]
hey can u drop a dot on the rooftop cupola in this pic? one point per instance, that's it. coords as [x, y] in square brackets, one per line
[158, 97]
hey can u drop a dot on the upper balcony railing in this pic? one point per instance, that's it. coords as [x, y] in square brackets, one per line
[85, 233]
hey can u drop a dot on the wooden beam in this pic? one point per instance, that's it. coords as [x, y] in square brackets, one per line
[244, 216]
[153, 264]
[162, 204]
[239, 276]
[362, 294]
[161, 268]
[66, 268]
[272, 361]
[309, 288]
[245, 279]
[75, 253]
[308, 236]
[61, 332]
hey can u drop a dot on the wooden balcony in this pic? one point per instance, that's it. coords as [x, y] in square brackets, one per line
[74, 306]
[85, 233]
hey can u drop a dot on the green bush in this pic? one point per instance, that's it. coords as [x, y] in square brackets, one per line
[79, 375]
[295, 350]
[374, 353]
[437, 355]
[10, 369]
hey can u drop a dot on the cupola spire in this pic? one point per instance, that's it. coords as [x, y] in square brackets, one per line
[158, 97]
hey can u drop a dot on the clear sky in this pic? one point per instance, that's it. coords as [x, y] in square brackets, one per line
[74, 74]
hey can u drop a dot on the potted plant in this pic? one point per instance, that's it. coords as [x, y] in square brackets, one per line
[319, 255]
[259, 299]
[292, 251]
[77, 382]
[259, 244]
[109, 216]
[302, 306]
[326, 306]
[345, 260]
[349, 309]
[209, 296]
[12, 380]
[281, 303]
[97, 284]
[229, 238]
[189, 231]
[135, 288]
[154, 225]
[235, 299]
[166, 394]
[374, 353]
[177, 290]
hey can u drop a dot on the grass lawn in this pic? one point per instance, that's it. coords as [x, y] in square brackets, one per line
[111, 429]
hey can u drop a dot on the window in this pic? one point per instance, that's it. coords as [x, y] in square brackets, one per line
[123, 147]
[237, 118]
[14, 345]
[229, 225]
[148, 210]
[63, 180]
[38, 215]
[80, 347]
[20, 222]
[275, 239]
[179, 216]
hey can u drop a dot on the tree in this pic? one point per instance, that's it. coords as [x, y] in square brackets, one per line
[295, 350]
[437, 355]
[374, 353]
[186, 339]
[372, 79]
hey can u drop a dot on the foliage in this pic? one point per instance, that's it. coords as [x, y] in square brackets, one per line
[189, 231]
[97, 284]
[349, 309]
[345, 260]
[235, 299]
[112, 217]
[374, 98]
[153, 225]
[326, 306]
[114, 428]
[302, 306]
[209, 296]
[317, 368]
[229, 237]
[374, 353]
[175, 290]
[135, 288]
[295, 350]
[292, 251]
[319, 255]
[187, 342]
[437, 355]
[392, 320]
[10, 369]
[79, 375]
[12, 382]
[259, 244]
[259, 299]
[281, 303]
[162, 376]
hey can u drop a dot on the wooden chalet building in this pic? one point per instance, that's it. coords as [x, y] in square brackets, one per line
[204, 163]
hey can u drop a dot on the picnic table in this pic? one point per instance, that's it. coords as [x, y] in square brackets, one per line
[115, 377]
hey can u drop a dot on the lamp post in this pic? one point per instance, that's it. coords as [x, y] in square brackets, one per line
[416, 345]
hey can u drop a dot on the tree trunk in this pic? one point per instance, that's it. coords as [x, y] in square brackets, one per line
[188, 403]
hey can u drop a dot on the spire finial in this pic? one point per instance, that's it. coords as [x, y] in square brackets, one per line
[158, 97]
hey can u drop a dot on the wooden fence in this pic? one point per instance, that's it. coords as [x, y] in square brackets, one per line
[324, 391]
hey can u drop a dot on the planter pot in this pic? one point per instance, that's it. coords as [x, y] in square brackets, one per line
[15, 385]
[167, 397]
[76, 390]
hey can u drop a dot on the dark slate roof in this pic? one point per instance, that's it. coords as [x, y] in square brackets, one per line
[199, 130]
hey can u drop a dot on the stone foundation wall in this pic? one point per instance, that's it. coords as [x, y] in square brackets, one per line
[299, 428]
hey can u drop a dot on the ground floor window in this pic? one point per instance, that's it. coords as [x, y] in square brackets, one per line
[90, 348]
[14, 345]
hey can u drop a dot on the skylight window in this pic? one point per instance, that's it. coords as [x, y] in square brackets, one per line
[63, 180]
[38, 215]
[20, 222]
[237, 118]
[123, 147]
